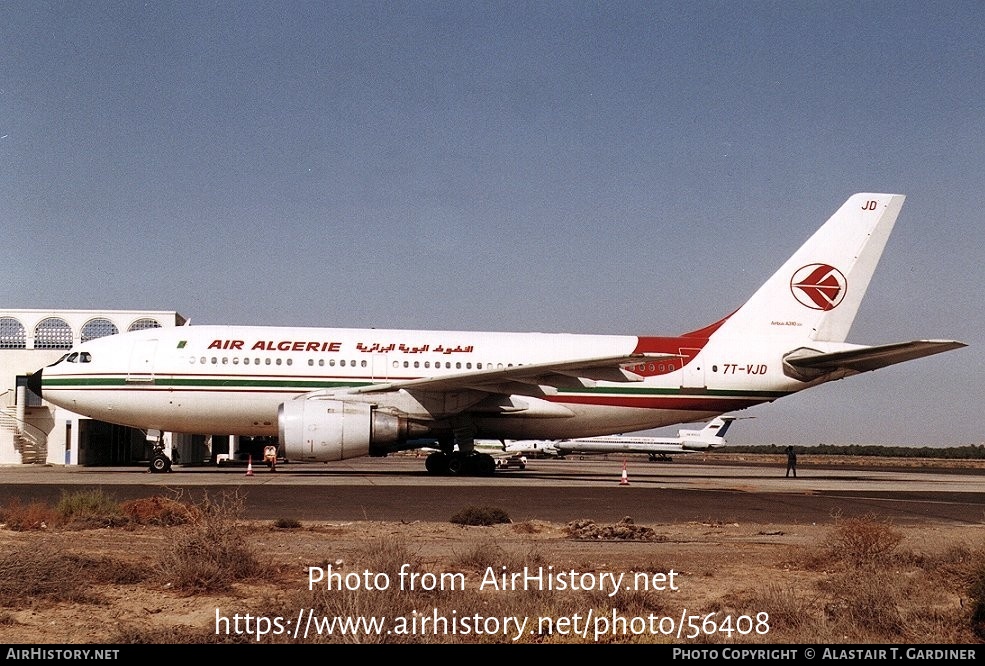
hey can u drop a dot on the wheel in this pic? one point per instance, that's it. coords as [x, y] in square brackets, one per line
[160, 463]
[456, 463]
[436, 463]
[485, 464]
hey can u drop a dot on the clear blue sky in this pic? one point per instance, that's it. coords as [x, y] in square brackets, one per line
[557, 166]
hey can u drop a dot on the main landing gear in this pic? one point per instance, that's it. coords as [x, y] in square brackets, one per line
[440, 463]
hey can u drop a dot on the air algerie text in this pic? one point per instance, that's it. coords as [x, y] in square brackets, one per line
[279, 345]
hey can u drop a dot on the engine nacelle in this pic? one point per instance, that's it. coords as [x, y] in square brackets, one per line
[326, 430]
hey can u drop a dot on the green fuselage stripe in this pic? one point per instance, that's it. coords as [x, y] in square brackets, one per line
[160, 382]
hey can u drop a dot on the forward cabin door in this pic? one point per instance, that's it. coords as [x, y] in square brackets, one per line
[141, 370]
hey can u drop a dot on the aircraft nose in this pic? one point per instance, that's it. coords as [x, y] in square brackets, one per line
[34, 382]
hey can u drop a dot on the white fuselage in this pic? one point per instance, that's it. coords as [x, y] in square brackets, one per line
[231, 380]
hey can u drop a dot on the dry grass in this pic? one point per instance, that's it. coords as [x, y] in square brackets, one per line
[158, 510]
[860, 581]
[33, 516]
[210, 553]
[45, 572]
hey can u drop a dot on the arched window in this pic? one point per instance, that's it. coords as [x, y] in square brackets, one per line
[145, 323]
[53, 333]
[98, 328]
[12, 334]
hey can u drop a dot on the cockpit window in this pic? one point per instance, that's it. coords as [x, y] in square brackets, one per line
[74, 357]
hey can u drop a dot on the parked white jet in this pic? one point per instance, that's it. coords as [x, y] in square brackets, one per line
[687, 441]
[336, 393]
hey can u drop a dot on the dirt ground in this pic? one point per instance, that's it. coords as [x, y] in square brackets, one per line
[723, 572]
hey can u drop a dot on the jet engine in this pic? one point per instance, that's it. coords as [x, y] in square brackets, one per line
[325, 430]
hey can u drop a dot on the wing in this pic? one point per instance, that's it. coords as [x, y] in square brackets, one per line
[808, 364]
[503, 380]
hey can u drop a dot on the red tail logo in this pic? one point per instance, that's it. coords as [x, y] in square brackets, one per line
[819, 286]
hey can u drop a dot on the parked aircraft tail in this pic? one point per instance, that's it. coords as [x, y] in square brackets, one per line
[713, 434]
[816, 294]
[806, 309]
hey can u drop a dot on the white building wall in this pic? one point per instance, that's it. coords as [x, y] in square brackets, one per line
[57, 427]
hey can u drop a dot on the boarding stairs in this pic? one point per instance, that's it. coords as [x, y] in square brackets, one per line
[29, 441]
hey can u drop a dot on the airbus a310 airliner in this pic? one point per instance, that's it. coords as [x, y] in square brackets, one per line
[336, 393]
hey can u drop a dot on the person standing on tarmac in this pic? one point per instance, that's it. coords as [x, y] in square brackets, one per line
[791, 462]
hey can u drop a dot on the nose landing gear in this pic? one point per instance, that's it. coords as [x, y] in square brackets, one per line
[160, 462]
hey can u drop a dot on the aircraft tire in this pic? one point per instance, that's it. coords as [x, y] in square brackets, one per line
[457, 464]
[436, 464]
[485, 464]
[160, 464]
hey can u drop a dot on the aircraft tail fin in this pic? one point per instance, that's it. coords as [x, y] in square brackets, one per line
[713, 434]
[816, 294]
[717, 427]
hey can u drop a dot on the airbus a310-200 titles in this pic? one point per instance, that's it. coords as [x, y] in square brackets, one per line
[336, 393]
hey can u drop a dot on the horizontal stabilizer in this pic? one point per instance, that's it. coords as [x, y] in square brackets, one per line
[807, 364]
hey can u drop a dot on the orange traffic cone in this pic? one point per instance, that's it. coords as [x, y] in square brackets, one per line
[625, 477]
[249, 465]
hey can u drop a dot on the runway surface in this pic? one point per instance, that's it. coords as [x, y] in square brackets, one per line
[398, 489]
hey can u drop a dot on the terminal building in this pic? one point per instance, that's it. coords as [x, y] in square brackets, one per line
[34, 432]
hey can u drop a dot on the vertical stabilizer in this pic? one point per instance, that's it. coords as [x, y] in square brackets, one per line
[816, 294]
